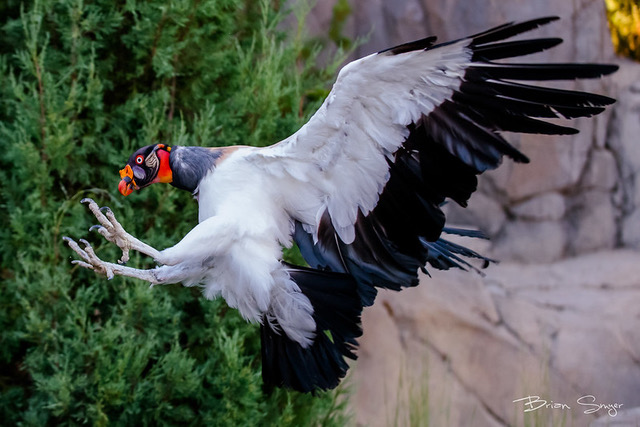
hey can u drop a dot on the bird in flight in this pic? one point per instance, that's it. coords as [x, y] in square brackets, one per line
[359, 188]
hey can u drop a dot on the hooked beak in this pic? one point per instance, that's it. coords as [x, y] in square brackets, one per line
[127, 183]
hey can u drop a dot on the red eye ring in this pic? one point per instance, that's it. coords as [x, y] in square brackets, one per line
[139, 160]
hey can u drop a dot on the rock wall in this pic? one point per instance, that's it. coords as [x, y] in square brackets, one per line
[460, 348]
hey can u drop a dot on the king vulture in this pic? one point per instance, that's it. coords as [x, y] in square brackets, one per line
[359, 189]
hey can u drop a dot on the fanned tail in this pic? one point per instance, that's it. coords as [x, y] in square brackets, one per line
[321, 366]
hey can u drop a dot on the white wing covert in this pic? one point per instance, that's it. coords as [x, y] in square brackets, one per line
[343, 150]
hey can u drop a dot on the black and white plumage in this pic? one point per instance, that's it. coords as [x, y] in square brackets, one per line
[359, 188]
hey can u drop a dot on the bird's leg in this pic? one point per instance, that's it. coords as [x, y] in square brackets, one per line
[111, 229]
[91, 261]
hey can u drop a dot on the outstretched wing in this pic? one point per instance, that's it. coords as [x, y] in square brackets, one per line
[401, 131]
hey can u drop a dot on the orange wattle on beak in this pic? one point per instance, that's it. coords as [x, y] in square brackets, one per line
[127, 183]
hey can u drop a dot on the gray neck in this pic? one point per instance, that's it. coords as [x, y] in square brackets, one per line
[190, 164]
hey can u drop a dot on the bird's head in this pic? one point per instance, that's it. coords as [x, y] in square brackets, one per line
[146, 166]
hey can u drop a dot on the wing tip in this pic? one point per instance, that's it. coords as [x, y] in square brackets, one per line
[510, 29]
[609, 69]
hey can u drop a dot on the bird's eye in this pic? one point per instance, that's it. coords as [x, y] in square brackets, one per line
[139, 160]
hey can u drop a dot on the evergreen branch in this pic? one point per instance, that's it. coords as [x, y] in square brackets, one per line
[181, 37]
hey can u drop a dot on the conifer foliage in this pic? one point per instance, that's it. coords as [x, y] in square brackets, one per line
[83, 83]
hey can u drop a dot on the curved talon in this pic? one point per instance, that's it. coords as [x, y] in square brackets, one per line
[96, 227]
[87, 200]
[105, 209]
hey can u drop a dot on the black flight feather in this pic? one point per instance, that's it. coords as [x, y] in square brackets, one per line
[510, 49]
[495, 71]
[542, 95]
[509, 30]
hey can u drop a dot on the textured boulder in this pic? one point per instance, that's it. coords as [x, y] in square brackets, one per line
[460, 348]
[624, 139]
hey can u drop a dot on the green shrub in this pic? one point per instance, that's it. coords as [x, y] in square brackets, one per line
[83, 83]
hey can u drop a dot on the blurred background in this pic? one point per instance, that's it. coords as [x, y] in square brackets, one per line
[85, 83]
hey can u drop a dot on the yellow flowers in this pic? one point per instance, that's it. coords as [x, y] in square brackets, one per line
[624, 23]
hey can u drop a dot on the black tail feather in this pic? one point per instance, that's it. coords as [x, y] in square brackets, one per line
[337, 309]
